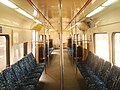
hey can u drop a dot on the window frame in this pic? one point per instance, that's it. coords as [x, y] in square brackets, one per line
[94, 41]
[7, 49]
[113, 45]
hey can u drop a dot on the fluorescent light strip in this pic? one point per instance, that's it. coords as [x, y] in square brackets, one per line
[24, 13]
[35, 13]
[13, 6]
[9, 4]
[108, 2]
[100, 8]
[95, 11]
[78, 23]
[37, 21]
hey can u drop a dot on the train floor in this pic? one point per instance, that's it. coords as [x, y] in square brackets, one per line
[51, 79]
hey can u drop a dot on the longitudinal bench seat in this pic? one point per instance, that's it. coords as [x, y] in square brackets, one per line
[99, 74]
[23, 75]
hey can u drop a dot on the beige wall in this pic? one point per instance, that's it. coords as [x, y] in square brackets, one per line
[107, 21]
[17, 36]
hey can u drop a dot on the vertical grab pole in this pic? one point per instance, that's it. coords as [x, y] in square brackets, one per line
[61, 48]
[76, 45]
[48, 47]
[44, 50]
[44, 42]
[76, 40]
[48, 53]
[72, 44]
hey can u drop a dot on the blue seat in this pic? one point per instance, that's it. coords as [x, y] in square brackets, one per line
[2, 81]
[103, 74]
[117, 85]
[26, 73]
[30, 70]
[33, 61]
[113, 78]
[21, 76]
[12, 83]
[99, 74]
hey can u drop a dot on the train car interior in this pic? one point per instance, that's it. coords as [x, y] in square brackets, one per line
[59, 44]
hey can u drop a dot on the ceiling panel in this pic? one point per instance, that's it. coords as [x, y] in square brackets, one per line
[49, 8]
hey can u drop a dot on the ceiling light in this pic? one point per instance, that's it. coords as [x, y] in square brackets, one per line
[95, 11]
[37, 21]
[24, 13]
[35, 13]
[9, 4]
[13, 6]
[108, 2]
[78, 23]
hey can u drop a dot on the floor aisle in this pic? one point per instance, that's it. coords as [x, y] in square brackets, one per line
[51, 79]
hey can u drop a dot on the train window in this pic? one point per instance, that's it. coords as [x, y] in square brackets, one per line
[18, 52]
[79, 37]
[34, 36]
[117, 49]
[102, 46]
[2, 52]
[75, 36]
[41, 37]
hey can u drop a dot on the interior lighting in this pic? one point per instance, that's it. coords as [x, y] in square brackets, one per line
[24, 13]
[19, 10]
[35, 13]
[9, 4]
[37, 21]
[78, 23]
[100, 8]
[108, 2]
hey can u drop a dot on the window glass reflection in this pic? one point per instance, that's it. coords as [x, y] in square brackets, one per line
[2, 52]
[117, 49]
[101, 46]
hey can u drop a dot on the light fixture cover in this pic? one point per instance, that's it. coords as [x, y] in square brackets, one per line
[24, 13]
[100, 8]
[37, 21]
[9, 4]
[108, 2]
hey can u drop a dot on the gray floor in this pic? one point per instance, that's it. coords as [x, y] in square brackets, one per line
[51, 79]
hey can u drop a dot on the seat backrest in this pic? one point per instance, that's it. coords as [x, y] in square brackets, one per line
[99, 66]
[117, 84]
[2, 81]
[31, 62]
[96, 63]
[23, 68]
[32, 59]
[27, 65]
[105, 71]
[9, 76]
[113, 78]
[89, 56]
[18, 71]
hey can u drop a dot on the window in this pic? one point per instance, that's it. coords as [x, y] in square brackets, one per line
[2, 52]
[18, 52]
[79, 38]
[102, 46]
[117, 48]
[41, 38]
[35, 40]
